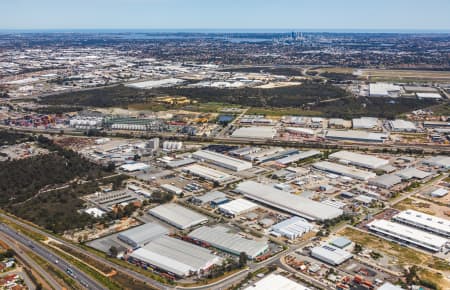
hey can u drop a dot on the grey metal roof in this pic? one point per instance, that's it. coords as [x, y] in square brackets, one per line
[177, 215]
[210, 196]
[175, 256]
[143, 234]
[386, 180]
[222, 238]
[285, 201]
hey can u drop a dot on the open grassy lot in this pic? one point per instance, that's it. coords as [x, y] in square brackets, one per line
[423, 206]
[405, 75]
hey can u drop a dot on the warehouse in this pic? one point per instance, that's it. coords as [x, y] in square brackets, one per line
[292, 228]
[344, 170]
[330, 254]
[237, 207]
[222, 160]
[141, 235]
[365, 123]
[212, 198]
[178, 216]
[357, 136]
[172, 189]
[361, 160]
[294, 204]
[412, 172]
[181, 162]
[384, 90]
[402, 126]
[386, 181]
[276, 281]
[255, 132]
[297, 157]
[408, 235]
[440, 192]
[208, 173]
[277, 155]
[438, 161]
[132, 167]
[223, 239]
[424, 221]
[434, 96]
[178, 258]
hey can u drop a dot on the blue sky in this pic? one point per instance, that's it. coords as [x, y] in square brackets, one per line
[228, 14]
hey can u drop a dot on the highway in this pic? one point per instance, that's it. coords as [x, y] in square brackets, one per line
[79, 276]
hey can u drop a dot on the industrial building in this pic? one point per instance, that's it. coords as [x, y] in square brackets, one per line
[292, 228]
[213, 198]
[402, 126]
[223, 239]
[412, 172]
[133, 167]
[438, 161]
[255, 132]
[356, 136]
[424, 221]
[178, 216]
[180, 162]
[177, 257]
[330, 254]
[366, 123]
[276, 281]
[172, 189]
[361, 160]
[237, 207]
[384, 90]
[294, 204]
[208, 173]
[297, 157]
[344, 170]
[141, 235]
[389, 286]
[385, 181]
[222, 160]
[408, 235]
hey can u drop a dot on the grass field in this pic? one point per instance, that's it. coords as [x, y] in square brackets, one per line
[405, 75]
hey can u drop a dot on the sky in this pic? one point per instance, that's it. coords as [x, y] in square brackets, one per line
[226, 14]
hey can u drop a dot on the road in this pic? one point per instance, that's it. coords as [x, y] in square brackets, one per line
[30, 262]
[57, 261]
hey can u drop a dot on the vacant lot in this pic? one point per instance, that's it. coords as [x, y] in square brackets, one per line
[405, 75]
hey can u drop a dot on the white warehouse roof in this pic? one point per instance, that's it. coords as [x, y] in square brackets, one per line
[285, 201]
[222, 160]
[176, 256]
[131, 167]
[274, 282]
[222, 238]
[178, 216]
[344, 170]
[238, 206]
[292, 228]
[362, 160]
[402, 125]
[143, 234]
[355, 135]
[408, 234]
[424, 221]
[330, 254]
[384, 90]
[255, 132]
[207, 173]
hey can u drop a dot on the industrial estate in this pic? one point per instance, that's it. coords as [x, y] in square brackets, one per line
[123, 167]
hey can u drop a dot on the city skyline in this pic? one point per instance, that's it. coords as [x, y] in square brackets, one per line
[324, 15]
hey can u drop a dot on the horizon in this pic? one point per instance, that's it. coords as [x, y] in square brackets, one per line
[321, 15]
